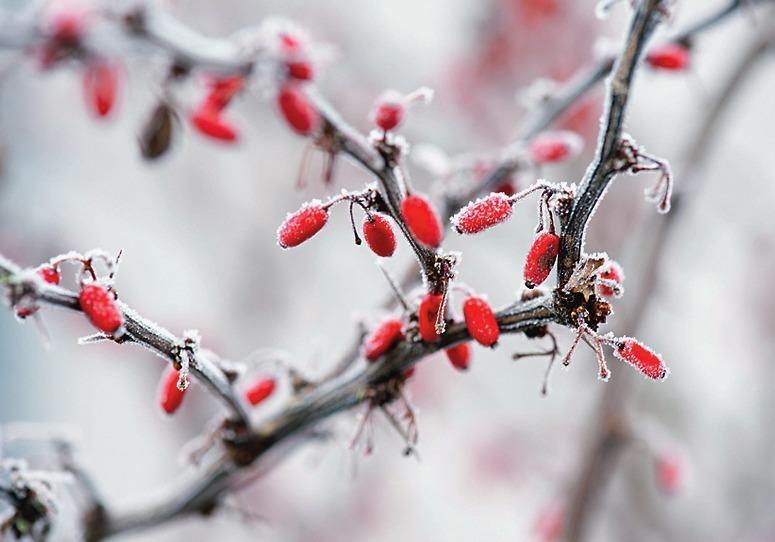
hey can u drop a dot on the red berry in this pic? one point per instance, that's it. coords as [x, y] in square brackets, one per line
[101, 308]
[260, 390]
[550, 523]
[541, 258]
[612, 272]
[297, 109]
[382, 339]
[459, 356]
[379, 235]
[409, 373]
[480, 321]
[483, 213]
[50, 274]
[422, 220]
[301, 70]
[209, 122]
[388, 111]
[301, 225]
[641, 357]
[100, 86]
[427, 314]
[170, 396]
[507, 188]
[555, 146]
[66, 24]
[671, 56]
[223, 90]
[669, 470]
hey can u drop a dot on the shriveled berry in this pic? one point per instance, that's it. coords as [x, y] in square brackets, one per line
[459, 356]
[170, 395]
[100, 307]
[641, 357]
[612, 272]
[382, 338]
[260, 390]
[541, 257]
[555, 146]
[379, 235]
[297, 109]
[480, 321]
[483, 213]
[426, 316]
[301, 225]
[208, 121]
[670, 56]
[422, 220]
[388, 111]
[100, 86]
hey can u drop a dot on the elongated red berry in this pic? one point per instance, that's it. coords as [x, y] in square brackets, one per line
[379, 235]
[303, 70]
[301, 225]
[208, 121]
[541, 258]
[170, 396]
[641, 357]
[555, 146]
[669, 471]
[260, 390]
[612, 272]
[223, 90]
[480, 321]
[426, 317]
[297, 109]
[100, 307]
[483, 213]
[388, 110]
[670, 56]
[100, 86]
[382, 338]
[459, 356]
[422, 220]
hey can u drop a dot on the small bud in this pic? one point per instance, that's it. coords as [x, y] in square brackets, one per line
[555, 146]
[641, 357]
[100, 86]
[297, 109]
[480, 321]
[208, 121]
[100, 307]
[422, 220]
[427, 315]
[459, 356]
[260, 390]
[482, 214]
[540, 259]
[170, 395]
[301, 225]
[382, 339]
[670, 56]
[379, 235]
[612, 273]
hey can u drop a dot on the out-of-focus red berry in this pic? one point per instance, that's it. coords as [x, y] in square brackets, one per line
[382, 338]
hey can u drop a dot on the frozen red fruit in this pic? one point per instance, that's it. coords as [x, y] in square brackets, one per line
[170, 395]
[670, 56]
[480, 321]
[209, 122]
[302, 70]
[482, 213]
[260, 390]
[541, 258]
[100, 307]
[379, 235]
[459, 356]
[555, 146]
[669, 471]
[301, 225]
[297, 109]
[427, 315]
[382, 338]
[223, 90]
[66, 25]
[388, 111]
[507, 188]
[422, 220]
[641, 357]
[100, 86]
[613, 273]
[50, 274]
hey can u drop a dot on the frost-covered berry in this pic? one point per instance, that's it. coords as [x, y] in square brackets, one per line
[422, 220]
[483, 213]
[260, 390]
[459, 356]
[541, 257]
[297, 109]
[379, 235]
[641, 357]
[382, 338]
[100, 86]
[303, 224]
[170, 394]
[427, 315]
[388, 110]
[669, 472]
[480, 321]
[303, 70]
[612, 273]
[49, 274]
[208, 121]
[100, 307]
[555, 146]
[670, 56]
[223, 90]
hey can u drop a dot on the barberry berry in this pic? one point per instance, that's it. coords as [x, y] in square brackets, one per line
[260, 390]
[480, 321]
[670, 56]
[170, 395]
[422, 220]
[641, 357]
[379, 235]
[459, 356]
[555, 146]
[100, 86]
[541, 257]
[483, 213]
[612, 276]
[100, 306]
[382, 338]
[427, 316]
[297, 109]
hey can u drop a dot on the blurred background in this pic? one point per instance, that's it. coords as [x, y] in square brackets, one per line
[497, 460]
